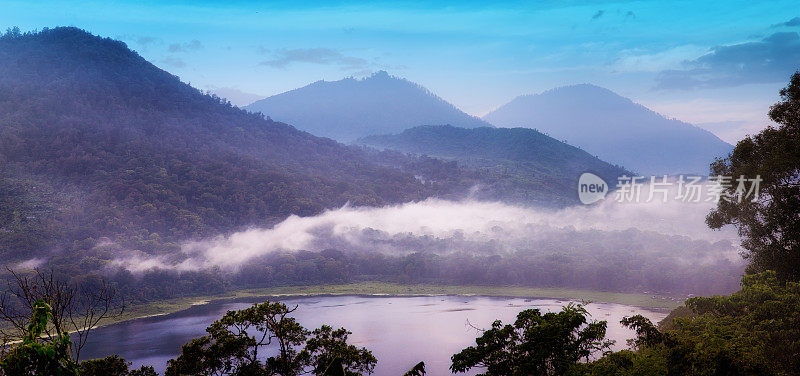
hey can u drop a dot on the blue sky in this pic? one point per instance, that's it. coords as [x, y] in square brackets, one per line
[716, 64]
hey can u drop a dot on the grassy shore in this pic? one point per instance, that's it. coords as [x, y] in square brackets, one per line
[384, 288]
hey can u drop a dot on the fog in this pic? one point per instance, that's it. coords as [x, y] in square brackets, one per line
[443, 226]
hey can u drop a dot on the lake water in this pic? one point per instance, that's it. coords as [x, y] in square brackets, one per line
[400, 331]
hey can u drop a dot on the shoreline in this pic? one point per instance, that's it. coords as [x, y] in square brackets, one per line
[388, 289]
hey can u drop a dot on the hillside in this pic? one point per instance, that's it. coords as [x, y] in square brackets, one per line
[352, 108]
[97, 143]
[614, 128]
[526, 157]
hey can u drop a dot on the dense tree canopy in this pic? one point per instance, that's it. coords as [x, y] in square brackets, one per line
[536, 344]
[770, 225]
[755, 331]
[265, 340]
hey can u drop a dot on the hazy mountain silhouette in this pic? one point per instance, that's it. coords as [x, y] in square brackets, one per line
[96, 141]
[615, 129]
[525, 156]
[351, 108]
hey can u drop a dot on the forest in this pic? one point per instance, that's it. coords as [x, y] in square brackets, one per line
[528, 160]
[103, 152]
[99, 147]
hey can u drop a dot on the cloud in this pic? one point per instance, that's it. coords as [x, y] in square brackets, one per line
[194, 45]
[146, 41]
[283, 57]
[791, 23]
[645, 61]
[142, 41]
[30, 264]
[769, 60]
[173, 62]
[444, 226]
[598, 14]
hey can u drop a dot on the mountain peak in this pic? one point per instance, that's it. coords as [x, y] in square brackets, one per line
[91, 66]
[582, 93]
[69, 40]
[348, 109]
[86, 116]
[615, 128]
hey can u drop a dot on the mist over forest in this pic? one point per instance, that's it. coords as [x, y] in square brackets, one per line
[399, 188]
[167, 191]
[607, 247]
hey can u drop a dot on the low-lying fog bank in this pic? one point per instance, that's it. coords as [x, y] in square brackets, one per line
[621, 246]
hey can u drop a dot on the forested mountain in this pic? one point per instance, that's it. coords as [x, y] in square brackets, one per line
[97, 142]
[528, 158]
[614, 128]
[352, 108]
[103, 157]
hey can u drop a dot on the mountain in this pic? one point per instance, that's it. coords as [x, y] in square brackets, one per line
[351, 108]
[531, 160]
[614, 128]
[96, 143]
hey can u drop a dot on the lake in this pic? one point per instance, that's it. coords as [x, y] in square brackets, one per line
[400, 331]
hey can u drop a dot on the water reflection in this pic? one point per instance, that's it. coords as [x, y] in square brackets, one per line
[400, 331]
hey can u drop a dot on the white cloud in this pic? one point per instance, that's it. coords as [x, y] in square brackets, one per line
[444, 225]
[642, 61]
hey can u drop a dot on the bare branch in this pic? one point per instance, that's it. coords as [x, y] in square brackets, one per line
[76, 307]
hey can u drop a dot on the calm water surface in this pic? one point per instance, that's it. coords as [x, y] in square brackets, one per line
[400, 331]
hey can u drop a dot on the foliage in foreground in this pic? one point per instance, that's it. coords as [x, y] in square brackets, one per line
[755, 331]
[37, 355]
[536, 344]
[233, 344]
[770, 225]
[113, 365]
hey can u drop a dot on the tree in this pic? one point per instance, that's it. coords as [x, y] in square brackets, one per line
[113, 365]
[537, 344]
[233, 344]
[37, 355]
[327, 345]
[417, 370]
[769, 225]
[755, 331]
[72, 307]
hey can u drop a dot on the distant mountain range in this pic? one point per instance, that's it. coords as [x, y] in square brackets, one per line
[533, 161]
[348, 109]
[615, 129]
[98, 143]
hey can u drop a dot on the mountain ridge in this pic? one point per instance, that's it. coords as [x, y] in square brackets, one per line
[615, 128]
[350, 108]
[153, 160]
[523, 155]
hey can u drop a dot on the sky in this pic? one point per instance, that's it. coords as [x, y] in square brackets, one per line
[716, 64]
